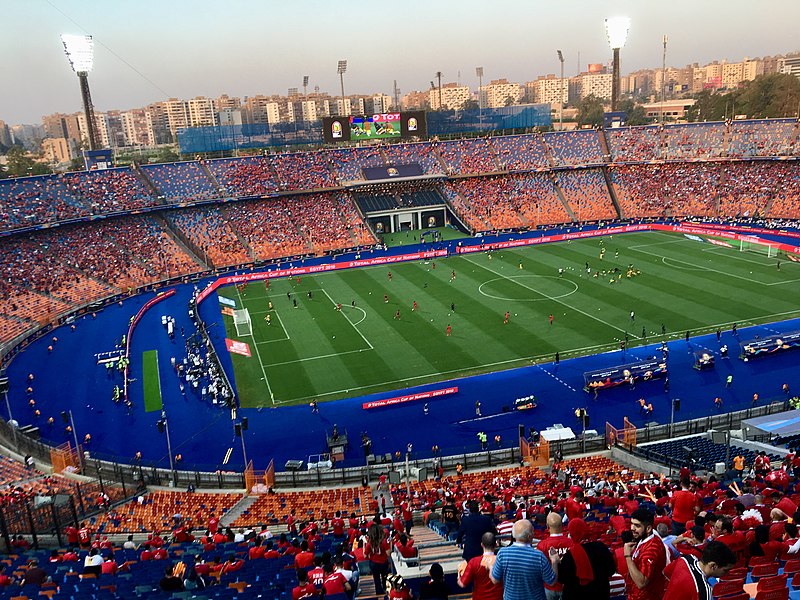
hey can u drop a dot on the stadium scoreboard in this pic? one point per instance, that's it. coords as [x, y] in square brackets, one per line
[400, 125]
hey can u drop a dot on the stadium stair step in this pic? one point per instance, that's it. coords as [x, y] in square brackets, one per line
[188, 246]
[207, 172]
[245, 244]
[238, 509]
[560, 194]
[612, 192]
[148, 183]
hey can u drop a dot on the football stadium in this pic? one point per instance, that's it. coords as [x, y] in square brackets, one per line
[309, 362]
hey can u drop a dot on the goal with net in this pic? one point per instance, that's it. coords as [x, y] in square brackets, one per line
[759, 247]
[241, 320]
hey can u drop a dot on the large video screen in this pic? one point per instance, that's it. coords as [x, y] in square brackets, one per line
[374, 127]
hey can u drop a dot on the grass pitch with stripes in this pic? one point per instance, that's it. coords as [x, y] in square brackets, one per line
[315, 351]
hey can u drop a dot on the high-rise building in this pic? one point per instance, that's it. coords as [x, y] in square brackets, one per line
[790, 65]
[550, 90]
[137, 128]
[415, 101]
[499, 92]
[261, 109]
[596, 84]
[453, 96]
[58, 151]
[5, 135]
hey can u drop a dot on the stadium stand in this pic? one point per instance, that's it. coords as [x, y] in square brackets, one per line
[244, 177]
[587, 195]
[302, 170]
[422, 154]
[274, 509]
[695, 140]
[210, 231]
[464, 157]
[774, 137]
[570, 148]
[180, 182]
[109, 191]
[36, 200]
[375, 202]
[745, 189]
[520, 152]
[706, 453]
[630, 144]
[666, 190]
[126, 253]
[348, 162]
[524, 200]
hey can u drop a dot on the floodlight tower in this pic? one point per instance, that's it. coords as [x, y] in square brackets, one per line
[305, 85]
[561, 93]
[80, 52]
[342, 69]
[479, 73]
[439, 77]
[617, 32]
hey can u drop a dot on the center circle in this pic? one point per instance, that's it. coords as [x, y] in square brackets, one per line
[546, 287]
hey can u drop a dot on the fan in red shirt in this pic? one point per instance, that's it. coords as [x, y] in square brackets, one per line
[684, 507]
[646, 557]
[317, 575]
[478, 569]
[337, 525]
[304, 588]
[398, 590]
[335, 582]
[556, 540]
[405, 546]
[304, 559]
[575, 506]
[257, 551]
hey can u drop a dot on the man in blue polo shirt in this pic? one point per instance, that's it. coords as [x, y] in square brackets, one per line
[522, 569]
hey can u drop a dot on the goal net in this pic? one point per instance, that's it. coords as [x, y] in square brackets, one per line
[241, 320]
[768, 250]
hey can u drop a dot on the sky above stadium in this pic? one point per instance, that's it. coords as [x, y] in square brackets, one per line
[150, 50]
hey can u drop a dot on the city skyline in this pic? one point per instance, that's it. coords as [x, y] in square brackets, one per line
[267, 48]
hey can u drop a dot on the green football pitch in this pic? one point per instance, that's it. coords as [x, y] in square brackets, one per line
[314, 351]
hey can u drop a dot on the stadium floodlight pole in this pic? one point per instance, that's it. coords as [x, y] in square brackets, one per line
[439, 77]
[617, 32]
[342, 69]
[305, 85]
[169, 444]
[663, 80]
[479, 73]
[561, 93]
[80, 52]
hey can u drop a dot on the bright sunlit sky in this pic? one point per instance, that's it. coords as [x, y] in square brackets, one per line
[182, 48]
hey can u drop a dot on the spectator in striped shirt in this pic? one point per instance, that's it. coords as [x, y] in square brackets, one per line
[523, 569]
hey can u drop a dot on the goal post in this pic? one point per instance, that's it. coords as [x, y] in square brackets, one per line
[242, 322]
[768, 250]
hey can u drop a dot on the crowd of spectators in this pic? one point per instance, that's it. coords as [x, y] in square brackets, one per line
[125, 253]
[464, 157]
[774, 137]
[348, 162]
[586, 193]
[36, 281]
[267, 227]
[421, 153]
[109, 190]
[244, 177]
[634, 143]
[302, 170]
[666, 190]
[520, 152]
[208, 228]
[570, 148]
[180, 182]
[35, 200]
[693, 140]
[514, 201]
